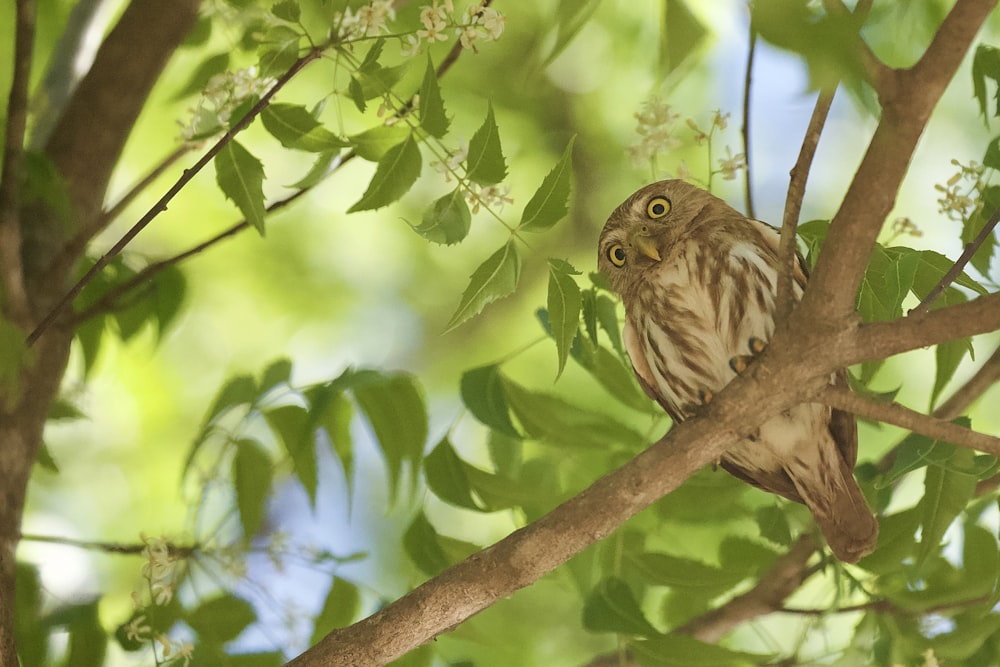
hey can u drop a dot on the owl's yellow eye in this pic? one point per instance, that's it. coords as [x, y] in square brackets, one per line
[658, 207]
[616, 254]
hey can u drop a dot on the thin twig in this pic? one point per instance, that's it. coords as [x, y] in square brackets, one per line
[745, 130]
[161, 204]
[956, 269]
[15, 296]
[111, 298]
[888, 607]
[110, 547]
[890, 412]
[793, 205]
[73, 249]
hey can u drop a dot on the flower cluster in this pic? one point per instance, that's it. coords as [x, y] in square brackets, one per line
[476, 24]
[489, 196]
[161, 570]
[223, 93]
[367, 21]
[656, 129]
[961, 195]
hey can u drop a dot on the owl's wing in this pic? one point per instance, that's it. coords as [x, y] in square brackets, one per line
[772, 239]
[644, 373]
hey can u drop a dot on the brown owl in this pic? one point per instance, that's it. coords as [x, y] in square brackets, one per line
[698, 280]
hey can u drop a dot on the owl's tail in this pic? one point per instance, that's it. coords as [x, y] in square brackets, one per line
[833, 496]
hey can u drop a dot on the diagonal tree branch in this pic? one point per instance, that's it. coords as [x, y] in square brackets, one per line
[907, 97]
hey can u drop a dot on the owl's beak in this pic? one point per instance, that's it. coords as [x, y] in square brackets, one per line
[647, 247]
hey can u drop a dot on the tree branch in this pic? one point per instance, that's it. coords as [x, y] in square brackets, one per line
[907, 104]
[14, 298]
[891, 412]
[879, 340]
[745, 129]
[787, 574]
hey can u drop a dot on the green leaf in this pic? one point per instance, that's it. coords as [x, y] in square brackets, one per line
[240, 390]
[607, 317]
[691, 576]
[494, 279]
[278, 372]
[287, 10]
[946, 493]
[251, 481]
[485, 163]
[447, 478]
[548, 205]
[676, 650]
[986, 65]
[432, 115]
[619, 380]
[612, 607]
[221, 619]
[372, 144]
[982, 258]
[396, 172]
[241, 178]
[295, 127]
[326, 162]
[948, 355]
[447, 220]
[342, 604]
[290, 424]
[330, 410]
[206, 70]
[571, 17]
[483, 394]
[680, 36]
[87, 637]
[422, 546]
[279, 51]
[774, 525]
[394, 406]
[564, 308]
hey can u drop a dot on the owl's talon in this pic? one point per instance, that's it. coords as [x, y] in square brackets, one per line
[756, 345]
[692, 410]
[705, 396]
[740, 363]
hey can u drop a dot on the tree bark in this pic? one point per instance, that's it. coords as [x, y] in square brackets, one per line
[84, 148]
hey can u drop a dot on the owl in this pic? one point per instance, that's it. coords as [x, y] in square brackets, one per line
[698, 281]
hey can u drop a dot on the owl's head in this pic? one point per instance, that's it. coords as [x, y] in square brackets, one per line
[641, 231]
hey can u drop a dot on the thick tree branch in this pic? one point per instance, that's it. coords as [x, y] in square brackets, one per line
[907, 104]
[879, 340]
[899, 415]
[14, 298]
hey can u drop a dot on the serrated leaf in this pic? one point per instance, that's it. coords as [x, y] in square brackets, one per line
[324, 165]
[548, 205]
[447, 477]
[241, 178]
[485, 163]
[483, 394]
[251, 482]
[295, 127]
[221, 619]
[341, 606]
[495, 278]
[432, 115]
[396, 172]
[290, 424]
[372, 144]
[948, 356]
[564, 303]
[946, 493]
[612, 607]
[394, 406]
[447, 220]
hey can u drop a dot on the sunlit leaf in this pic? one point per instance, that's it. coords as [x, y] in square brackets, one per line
[548, 205]
[341, 606]
[241, 178]
[447, 220]
[486, 164]
[396, 172]
[221, 619]
[612, 607]
[495, 278]
[286, 10]
[946, 493]
[372, 144]
[564, 308]
[295, 127]
[483, 394]
[239, 390]
[432, 115]
[252, 482]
